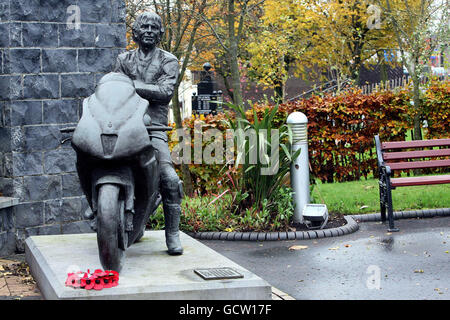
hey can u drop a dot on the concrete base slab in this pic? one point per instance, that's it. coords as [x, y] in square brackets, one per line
[149, 273]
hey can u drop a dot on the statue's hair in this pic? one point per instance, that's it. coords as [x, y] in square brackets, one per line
[145, 17]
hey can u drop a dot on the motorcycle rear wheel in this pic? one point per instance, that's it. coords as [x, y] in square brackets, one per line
[108, 227]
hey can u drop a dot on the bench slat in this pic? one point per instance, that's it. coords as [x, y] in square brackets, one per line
[415, 144]
[418, 164]
[420, 181]
[416, 154]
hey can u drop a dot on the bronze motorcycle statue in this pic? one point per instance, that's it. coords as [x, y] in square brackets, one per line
[113, 146]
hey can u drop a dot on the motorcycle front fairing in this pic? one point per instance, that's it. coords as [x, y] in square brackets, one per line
[112, 125]
[113, 146]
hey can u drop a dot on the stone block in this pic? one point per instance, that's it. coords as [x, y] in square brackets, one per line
[4, 87]
[40, 188]
[64, 210]
[27, 164]
[15, 34]
[25, 60]
[43, 35]
[43, 230]
[4, 114]
[42, 86]
[5, 140]
[118, 11]
[38, 138]
[96, 60]
[77, 38]
[60, 111]
[25, 113]
[54, 10]
[25, 10]
[4, 31]
[29, 214]
[71, 185]
[79, 227]
[2, 53]
[6, 219]
[111, 36]
[11, 87]
[142, 276]
[7, 243]
[77, 85]
[6, 185]
[95, 11]
[59, 60]
[4, 10]
[59, 161]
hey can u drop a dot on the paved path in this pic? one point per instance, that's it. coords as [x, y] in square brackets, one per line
[13, 286]
[369, 264]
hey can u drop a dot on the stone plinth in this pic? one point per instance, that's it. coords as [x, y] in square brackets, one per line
[149, 272]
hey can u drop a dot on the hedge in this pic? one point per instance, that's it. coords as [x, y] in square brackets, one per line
[341, 131]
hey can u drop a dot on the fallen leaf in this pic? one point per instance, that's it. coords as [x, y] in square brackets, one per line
[446, 251]
[347, 245]
[298, 248]
[335, 248]
[418, 271]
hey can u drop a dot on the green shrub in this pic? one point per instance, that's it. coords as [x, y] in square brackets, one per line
[201, 214]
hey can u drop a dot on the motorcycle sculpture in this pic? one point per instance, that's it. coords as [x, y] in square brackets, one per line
[113, 146]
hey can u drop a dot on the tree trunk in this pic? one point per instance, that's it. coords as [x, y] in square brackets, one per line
[233, 55]
[185, 173]
[418, 109]
[279, 92]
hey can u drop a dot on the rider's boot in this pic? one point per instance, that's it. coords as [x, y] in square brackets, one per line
[172, 214]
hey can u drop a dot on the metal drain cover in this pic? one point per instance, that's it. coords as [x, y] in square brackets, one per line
[218, 273]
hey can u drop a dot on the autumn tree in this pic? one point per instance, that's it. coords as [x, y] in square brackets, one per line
[227, 22]
[420, 27]
[331, 37]
[279, 40]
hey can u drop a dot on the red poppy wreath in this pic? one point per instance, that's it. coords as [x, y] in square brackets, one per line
[93, 281]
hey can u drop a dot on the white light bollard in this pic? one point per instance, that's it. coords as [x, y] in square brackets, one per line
[298, 123]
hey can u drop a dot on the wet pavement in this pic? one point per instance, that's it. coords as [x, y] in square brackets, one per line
[413, 264]
[368, 264]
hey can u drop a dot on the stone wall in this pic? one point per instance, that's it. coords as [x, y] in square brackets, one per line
[52, 54]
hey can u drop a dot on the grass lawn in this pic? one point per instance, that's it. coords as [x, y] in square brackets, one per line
[360, 197]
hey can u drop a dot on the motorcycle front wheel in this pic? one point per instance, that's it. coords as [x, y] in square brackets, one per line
[109, 215]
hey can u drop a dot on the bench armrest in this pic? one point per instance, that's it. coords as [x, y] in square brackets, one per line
[380, 160]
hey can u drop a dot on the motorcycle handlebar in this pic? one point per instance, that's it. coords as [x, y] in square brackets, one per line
[149, 129]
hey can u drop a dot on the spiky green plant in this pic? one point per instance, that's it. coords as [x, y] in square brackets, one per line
[260, 180]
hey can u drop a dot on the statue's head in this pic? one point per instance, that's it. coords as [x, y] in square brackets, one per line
[148, 29]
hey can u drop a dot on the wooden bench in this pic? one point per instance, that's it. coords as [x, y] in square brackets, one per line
[392, 156]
